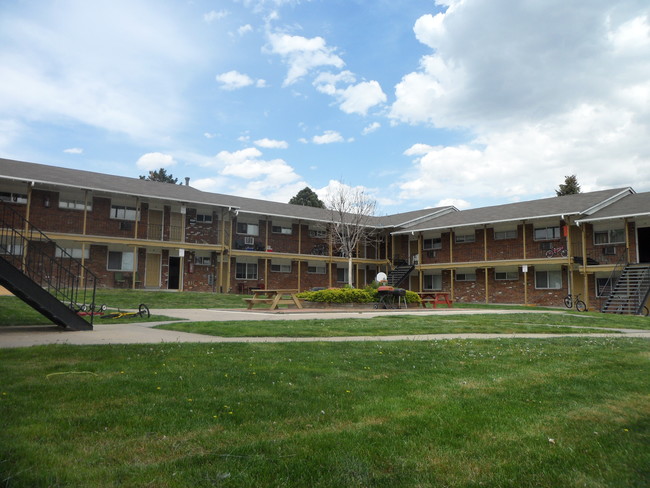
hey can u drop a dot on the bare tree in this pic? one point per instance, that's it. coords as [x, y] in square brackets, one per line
[351, 210]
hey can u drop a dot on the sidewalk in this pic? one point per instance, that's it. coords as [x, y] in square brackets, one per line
[114, 332]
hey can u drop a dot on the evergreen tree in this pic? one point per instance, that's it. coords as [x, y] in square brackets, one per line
[160, 175]
[570, 186]
[308, 198]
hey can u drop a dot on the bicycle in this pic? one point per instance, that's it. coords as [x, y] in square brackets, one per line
[570, 301]
[143, 312]
[557, 251]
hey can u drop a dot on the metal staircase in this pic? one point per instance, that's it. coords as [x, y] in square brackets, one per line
[42, 274]
[399, 274]
[630, 291]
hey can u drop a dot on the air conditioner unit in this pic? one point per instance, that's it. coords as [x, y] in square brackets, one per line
[126, 225]
[609, 250]
[415, 259]
[249, 241]
[546, 246]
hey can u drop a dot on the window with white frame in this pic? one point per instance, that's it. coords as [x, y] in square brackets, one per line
[316, 268]
[501, 235]
[460, 238]
[124, 212]
[506, 275]
[202, 260]
[13, 197]
[611, 236]
[72, 252]
[465, 276]
[432, 243]
[432, 281]
[246, 271]
[74, 204]
[548, 280]
[601, 286]
[546, 233]
[282, 229]
[318, 233]
[11, 249]
[120, 261]
[281, 266]
[247, 229]
[204, 218]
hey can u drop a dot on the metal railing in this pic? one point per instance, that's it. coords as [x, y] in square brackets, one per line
[609, 285]
[44, 262]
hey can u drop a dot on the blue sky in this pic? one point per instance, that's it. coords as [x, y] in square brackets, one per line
[420, 103]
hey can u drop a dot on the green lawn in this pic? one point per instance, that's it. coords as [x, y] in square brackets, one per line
[497, 413]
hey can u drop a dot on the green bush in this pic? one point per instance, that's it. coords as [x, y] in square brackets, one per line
[350, 295]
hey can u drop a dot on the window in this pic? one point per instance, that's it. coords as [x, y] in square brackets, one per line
[432, 282]
[506, 275]
[433, 243]
[202, 260]
[316, 269]
[13, 197]
[72, 204]
[460, 238]
[547, 233]
[320, 233]
[281, 268]
[342, 275]
[246, 271]
[12, 249]
[601, 287]
[281, 229]
[248, 229]
[123, 212]
[612, 236]
[500, 235]
[120, 261]
[548, 280]
[204, 218]
[465, 276]
[72, 252]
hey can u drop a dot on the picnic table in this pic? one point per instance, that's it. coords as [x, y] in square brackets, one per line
[435, 298]
[273, 298]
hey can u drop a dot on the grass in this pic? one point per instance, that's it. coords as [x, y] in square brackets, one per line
[569, 412]
[408, 324]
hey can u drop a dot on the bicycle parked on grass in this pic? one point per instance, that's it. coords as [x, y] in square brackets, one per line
[143, 311]
[570, 301]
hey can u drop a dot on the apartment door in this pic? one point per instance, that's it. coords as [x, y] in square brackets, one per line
[643, 241]
[176, 227]
[152, 271]
[174, 273]
[155, 227]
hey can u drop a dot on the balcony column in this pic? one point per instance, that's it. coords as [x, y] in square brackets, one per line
[585, 278]
[420, 259]
[135, 236]
[627, 240]
[452, 273]
[485, 258]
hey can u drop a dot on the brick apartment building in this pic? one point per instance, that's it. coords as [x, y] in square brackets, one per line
[142, 234]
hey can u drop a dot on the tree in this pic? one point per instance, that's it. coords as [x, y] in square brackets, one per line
[351, 210]
[160, 175]
[308, 198]
[570, 186]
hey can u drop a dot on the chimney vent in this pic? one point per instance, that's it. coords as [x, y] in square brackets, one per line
[187, 181]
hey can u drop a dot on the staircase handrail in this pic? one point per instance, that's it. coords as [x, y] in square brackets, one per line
[610, 284]
[643, 290]
[60, 276]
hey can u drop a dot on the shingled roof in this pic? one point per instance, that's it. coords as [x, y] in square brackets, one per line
[636, 205]
[578, 204]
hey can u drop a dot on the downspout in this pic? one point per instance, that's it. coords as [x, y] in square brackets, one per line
[452, 273]
[485, 258]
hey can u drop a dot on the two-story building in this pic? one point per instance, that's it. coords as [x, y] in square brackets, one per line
[143, 234]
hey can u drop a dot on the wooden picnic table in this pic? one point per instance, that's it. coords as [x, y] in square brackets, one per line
[273, 298]
[435, 298]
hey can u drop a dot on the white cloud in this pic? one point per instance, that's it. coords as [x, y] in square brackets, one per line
[370, 128]
[358, 99]
[70, 60]
[328, 137]
[234, 80]
[73, 150]
[213, 15]
[154, 161]
[545, 89]
[271, 144]
[302, 54]
[244, 29]
[209, 135]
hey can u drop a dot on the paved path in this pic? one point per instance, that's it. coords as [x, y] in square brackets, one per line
[115, 332]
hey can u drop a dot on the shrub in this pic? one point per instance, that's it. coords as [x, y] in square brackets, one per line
[350, 295]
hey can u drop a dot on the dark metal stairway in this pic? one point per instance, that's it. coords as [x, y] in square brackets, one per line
[399, 274]
[42, 274]
[630, 292]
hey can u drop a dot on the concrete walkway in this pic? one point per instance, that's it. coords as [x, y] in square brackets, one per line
[115, 332]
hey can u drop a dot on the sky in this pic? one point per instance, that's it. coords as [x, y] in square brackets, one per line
[418, 103]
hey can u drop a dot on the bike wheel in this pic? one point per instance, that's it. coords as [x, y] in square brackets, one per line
[581, 306]
[143, 311]
[549, 253]
[567, 301]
